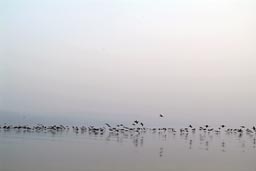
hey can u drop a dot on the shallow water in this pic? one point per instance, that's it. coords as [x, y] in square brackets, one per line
[127, 151]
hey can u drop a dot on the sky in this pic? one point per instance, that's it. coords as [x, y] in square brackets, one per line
[121, 60]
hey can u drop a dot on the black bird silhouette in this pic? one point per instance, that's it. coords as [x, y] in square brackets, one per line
[254, 128]
[222, 126]
[136, 121]
[190, 126]
[107, 124]
[161, 115]
[141, 124]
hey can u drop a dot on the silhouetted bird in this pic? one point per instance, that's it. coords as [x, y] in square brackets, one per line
[141, 124]
[136, 121]
[190, 126]
[254, 128]
[161, 115]
[107, 124]
[222, 126]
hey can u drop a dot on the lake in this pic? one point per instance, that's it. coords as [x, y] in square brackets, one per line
[147, 150]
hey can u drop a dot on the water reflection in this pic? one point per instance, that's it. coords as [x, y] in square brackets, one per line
[161, 151]
[126, 148]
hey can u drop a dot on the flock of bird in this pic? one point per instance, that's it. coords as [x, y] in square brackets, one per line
[136, 130]
[137, 126]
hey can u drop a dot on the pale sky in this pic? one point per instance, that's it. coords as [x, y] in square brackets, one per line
[120, 60]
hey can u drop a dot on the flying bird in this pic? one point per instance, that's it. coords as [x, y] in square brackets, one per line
[161, 115]
[107, 124]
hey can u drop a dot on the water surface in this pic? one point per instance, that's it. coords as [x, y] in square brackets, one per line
[126, 151]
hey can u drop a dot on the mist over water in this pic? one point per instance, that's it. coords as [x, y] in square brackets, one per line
[85, 63]
[118, 61]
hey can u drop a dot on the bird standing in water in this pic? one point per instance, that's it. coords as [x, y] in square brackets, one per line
[254, 128]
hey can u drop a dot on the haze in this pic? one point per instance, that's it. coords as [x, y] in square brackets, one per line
[120, 60]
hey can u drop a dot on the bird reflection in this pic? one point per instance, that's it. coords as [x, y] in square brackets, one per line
[223, 145]
[190, 144]
[254, 142]
[206, 145]
[161, 151]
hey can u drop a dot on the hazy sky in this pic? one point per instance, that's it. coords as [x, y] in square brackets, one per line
[117, 60]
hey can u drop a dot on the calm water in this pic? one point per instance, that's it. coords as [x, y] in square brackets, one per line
[128, 151]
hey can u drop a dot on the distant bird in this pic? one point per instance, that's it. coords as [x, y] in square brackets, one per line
[136, 121]
[107, 124]
[141, 124]
[190, 126]
[242, 126]
[206, 126]
[254, 128]
[161, 115]
[222, 126]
